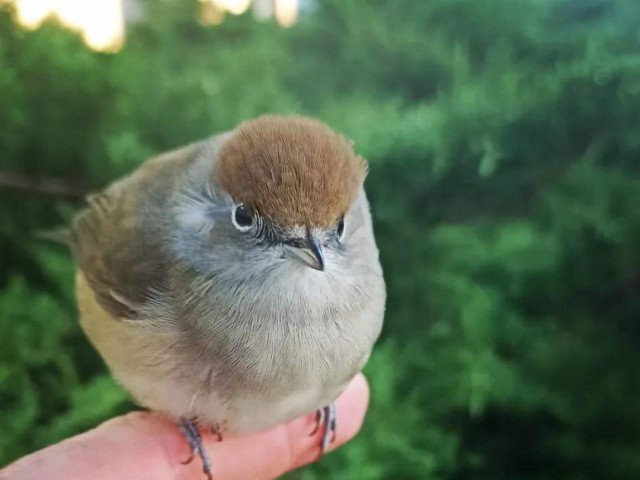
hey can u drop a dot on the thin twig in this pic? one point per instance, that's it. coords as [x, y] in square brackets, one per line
[50, 186]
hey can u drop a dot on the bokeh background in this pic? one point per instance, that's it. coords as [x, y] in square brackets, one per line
[504, 145]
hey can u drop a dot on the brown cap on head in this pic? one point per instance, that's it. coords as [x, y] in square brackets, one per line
[293, 170]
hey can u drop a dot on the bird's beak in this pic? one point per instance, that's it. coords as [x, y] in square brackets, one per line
[309, 253]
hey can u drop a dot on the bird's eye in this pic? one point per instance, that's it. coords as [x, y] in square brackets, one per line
[242, 218]
[340, 228]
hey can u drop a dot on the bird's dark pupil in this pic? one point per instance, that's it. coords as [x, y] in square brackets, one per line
[243, 216]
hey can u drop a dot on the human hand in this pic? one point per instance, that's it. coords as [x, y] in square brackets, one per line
[145, 446]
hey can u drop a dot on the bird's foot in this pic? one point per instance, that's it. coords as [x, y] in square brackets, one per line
[216, 429]
[192, 434]
[326, 418]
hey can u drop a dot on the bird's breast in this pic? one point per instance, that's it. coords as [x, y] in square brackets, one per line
[291, 349]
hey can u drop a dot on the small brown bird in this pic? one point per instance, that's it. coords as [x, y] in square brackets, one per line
[234, 284]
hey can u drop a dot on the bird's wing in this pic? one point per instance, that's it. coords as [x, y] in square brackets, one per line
[117, 242]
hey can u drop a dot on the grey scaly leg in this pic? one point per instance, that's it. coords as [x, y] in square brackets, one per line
[330, 427]
[192, 434]
[326, 418]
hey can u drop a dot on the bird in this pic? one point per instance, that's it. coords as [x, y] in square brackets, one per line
[234, 283]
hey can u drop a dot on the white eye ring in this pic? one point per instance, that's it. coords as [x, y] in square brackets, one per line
[242, 218]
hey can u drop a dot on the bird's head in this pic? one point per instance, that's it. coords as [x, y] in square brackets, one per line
[290, 185]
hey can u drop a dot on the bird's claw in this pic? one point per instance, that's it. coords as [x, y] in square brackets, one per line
[326, 418]
[216, 429]
[192, 434]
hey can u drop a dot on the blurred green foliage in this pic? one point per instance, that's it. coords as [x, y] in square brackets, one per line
[503, 138]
